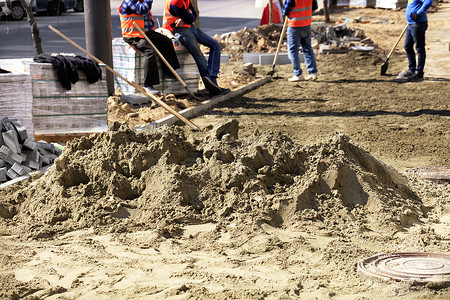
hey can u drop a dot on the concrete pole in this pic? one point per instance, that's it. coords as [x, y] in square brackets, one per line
[97, 24]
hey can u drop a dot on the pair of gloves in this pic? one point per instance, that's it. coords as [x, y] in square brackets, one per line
[414, 17]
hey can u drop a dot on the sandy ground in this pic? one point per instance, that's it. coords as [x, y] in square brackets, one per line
[280, 195]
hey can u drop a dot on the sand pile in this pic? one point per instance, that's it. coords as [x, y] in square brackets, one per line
[125, 180]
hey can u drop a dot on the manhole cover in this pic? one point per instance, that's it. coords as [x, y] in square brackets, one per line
[438, 174]
[412, 266]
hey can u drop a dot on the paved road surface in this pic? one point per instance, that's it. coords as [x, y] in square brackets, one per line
[216, 17]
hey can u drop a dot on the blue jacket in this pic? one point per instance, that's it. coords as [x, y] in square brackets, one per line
[419, 7]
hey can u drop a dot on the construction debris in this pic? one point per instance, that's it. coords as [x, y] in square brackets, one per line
[265, 38]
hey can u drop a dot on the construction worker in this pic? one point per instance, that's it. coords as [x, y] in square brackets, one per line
[299, 14]
[179, 18]
[139, 11]
[416, 16]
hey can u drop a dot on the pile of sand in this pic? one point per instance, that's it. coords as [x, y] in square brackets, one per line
[125, 180]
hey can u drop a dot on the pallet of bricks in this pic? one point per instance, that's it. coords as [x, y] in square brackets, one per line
[130, 63]
[55, 110]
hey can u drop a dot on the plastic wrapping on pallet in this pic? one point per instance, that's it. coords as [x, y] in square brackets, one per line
[83, 108]
[16, 99]
[129, 63]
[52, 108]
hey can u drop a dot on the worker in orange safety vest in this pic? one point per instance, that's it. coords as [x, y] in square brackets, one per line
[179, 18]
[139, 11]
[299, 14]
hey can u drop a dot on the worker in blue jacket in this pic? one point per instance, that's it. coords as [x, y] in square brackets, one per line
[416, 16]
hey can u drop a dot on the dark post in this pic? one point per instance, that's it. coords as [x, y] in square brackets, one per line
[97, 23]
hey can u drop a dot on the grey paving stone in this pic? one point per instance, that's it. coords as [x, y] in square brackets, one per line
[19, 169]
[11, 140]
[11, 174]
[30, 144]
[9, 156]
[20, 129]
[3, 175]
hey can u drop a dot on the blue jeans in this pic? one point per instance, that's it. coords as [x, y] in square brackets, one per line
[190, 38]
[301, 36]
[415, 34]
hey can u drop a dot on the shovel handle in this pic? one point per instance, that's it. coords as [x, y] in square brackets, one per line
[135, 85]
[279, 43]
[398, 40]
[160, 55]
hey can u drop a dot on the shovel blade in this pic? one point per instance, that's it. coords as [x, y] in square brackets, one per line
[384, 67]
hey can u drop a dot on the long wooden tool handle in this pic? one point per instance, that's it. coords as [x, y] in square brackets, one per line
[132, 83]
[160, 55]
[398, 40]
[280, 41]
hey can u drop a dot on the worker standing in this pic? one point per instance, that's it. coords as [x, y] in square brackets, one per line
[139, 11]
[299, 13]
[416, 16]
[179, 18]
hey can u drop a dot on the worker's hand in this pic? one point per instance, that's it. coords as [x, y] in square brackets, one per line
[414, 17]
[179, 23]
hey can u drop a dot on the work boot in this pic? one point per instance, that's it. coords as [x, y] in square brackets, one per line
[406, 73]
[151, 90]
[415, 77]
[312, 76]
[296, 78]
[210, 85]
[222, 92]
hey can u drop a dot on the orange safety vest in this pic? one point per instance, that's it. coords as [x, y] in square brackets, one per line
[126, 23]
[300, 14]
[168, 19]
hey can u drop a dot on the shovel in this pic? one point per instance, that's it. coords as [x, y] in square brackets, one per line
[132, 83]
[166, 62]
[272, 70]
[385, 65]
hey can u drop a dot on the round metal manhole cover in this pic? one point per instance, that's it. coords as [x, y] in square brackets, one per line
[438, 174]
[410, 266]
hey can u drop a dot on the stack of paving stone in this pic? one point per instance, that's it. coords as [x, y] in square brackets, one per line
[19, 155]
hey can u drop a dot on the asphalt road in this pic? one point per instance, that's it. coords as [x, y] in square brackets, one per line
[15, 36]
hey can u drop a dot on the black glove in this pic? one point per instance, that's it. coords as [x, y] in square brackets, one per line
[414, 17]
[315, 6]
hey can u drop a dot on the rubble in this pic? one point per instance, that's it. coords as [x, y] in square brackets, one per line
[265, 39]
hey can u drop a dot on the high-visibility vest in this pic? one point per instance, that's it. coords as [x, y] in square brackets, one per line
[300, 14]
[168, 19]
[126, 23]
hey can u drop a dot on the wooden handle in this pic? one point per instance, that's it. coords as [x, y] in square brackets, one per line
[160, 55]
[398, 40]
[132, 83]
[280, 41]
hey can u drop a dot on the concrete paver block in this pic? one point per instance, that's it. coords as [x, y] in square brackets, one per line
[20, 129]
[46, 146]
[21, 170]
[30, 144]
[9, 156]
[35, 165]
[11, 174]
[2, 163]
[7, 125]
[3, 175]
[11, 140]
